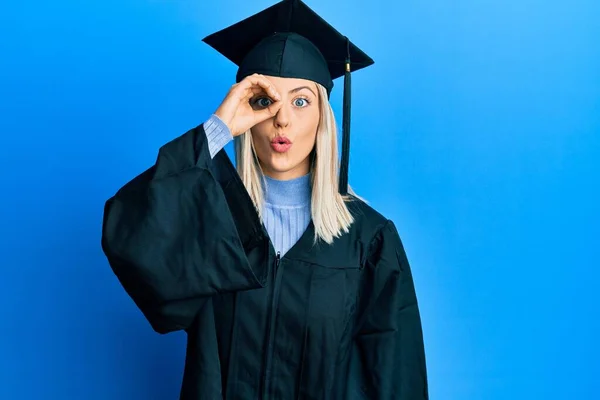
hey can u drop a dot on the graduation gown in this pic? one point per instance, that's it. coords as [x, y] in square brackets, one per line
[337, 321]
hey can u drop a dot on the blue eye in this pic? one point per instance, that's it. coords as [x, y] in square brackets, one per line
[263, 102]
[301, 102]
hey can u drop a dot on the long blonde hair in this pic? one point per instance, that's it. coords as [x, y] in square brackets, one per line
[329, 212]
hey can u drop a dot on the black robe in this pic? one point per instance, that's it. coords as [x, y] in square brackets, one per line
[337, 321]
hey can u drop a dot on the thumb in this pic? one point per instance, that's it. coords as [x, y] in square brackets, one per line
[268, 112]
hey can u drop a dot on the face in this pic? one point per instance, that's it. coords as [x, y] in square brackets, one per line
[283, 143]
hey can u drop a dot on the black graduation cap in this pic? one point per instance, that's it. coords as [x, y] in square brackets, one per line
[290, 40]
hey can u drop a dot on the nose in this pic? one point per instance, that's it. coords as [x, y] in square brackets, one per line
[282, 118]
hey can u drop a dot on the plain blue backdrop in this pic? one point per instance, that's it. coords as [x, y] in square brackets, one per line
[477, 131]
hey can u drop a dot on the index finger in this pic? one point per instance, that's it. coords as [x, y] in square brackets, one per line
[264, 83]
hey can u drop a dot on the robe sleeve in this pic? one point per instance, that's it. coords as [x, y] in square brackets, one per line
[172, 240]
[389, 338]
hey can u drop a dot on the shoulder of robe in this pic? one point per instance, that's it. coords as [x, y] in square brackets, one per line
[368, 220]
[378, 233]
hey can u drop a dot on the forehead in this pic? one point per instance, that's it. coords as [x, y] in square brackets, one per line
[286, 84]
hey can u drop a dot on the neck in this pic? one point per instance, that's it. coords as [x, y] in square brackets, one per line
[288, 192]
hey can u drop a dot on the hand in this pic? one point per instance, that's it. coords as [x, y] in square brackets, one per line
[237, 112]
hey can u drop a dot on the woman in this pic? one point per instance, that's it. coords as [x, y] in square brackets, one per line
[287, 286]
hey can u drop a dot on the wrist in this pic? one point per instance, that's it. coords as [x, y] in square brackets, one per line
[223, 120]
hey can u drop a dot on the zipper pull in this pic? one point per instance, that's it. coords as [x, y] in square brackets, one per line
[277, 259]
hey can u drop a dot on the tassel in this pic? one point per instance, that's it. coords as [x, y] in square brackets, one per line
[343, 179]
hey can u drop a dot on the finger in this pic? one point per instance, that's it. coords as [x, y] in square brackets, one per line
[269, 87]
[255, 91]
[261, 81]
[267, 112]
[250, 91]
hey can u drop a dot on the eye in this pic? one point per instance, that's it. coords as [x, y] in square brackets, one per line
[301, 102]
[262, 102]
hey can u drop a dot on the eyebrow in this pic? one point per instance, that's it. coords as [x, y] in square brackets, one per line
[300, 88]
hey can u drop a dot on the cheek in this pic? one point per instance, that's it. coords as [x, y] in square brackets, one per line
[259, 132]
[309, 123]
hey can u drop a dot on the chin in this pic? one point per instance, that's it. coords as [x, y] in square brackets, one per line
[280, 167]
[281, 163]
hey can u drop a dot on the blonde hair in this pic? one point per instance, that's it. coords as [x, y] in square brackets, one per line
[329, 212]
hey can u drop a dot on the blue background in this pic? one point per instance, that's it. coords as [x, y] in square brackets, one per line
[479, 130]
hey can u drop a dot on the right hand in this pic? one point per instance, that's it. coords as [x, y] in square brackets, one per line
[237, 112]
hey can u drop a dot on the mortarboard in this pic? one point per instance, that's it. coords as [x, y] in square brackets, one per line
[290, 40]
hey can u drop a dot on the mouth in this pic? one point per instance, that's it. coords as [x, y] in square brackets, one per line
[281, 144]
[281, 140]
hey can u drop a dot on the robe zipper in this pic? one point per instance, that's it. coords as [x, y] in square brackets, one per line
[271, 329]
